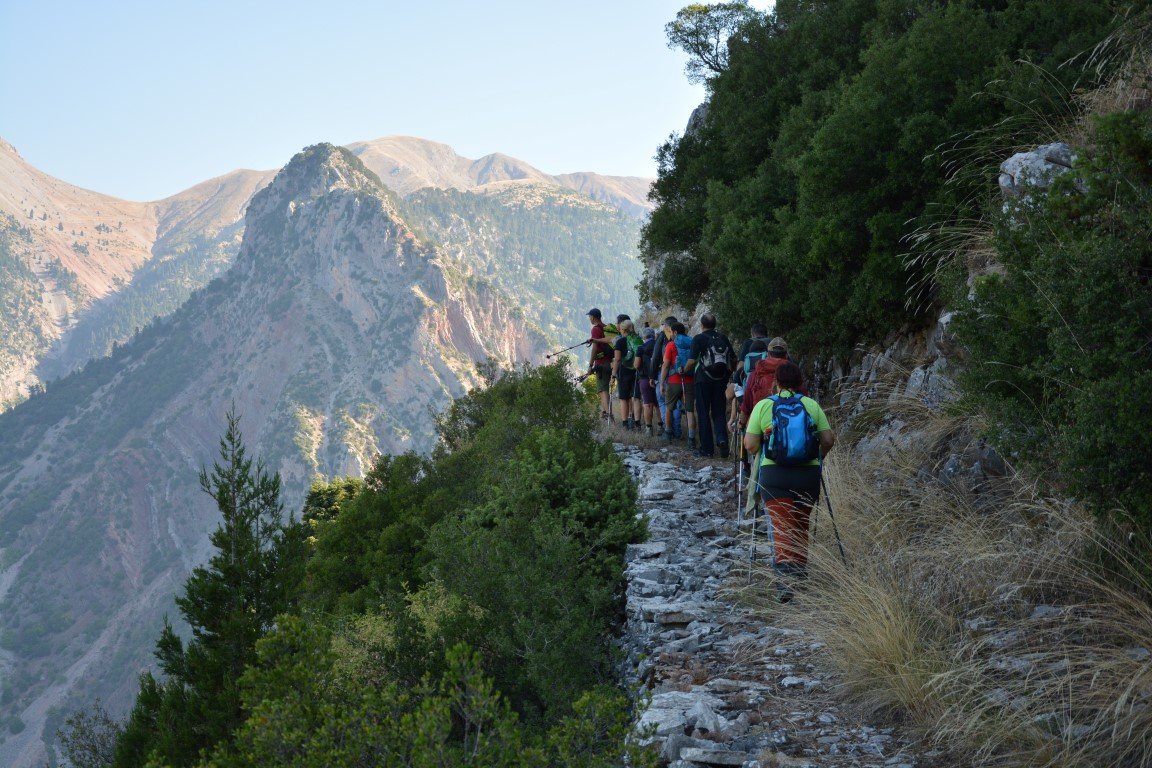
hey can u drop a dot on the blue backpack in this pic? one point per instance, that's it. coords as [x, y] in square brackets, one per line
[751, 359]
[793, 440]
[683, 352]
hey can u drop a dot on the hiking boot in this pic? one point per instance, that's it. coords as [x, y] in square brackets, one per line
[691, 443]
[723, 450]
[648, 430]
[605, 416]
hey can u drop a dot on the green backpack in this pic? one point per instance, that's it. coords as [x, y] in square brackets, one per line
[632, 349]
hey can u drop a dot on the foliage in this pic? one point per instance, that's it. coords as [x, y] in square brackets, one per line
[89, 737]
[702, 31]
[313, 708]
[791, 201]
[228, 604]
[1060, 354]
[442, 611]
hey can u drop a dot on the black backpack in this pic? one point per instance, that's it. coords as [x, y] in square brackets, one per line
[714, 359]
[657, 360]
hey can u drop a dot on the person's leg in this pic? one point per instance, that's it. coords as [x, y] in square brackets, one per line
[704, 432]
[661, 408]
[675, 391]
[688, 403]
[788, 496]
[603, 384]
[717, 413]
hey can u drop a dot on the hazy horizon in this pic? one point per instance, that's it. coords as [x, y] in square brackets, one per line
[142, 101]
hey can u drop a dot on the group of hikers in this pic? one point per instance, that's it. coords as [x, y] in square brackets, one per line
[670, 384]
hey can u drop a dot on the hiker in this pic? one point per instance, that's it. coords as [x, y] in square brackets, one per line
[600, 361]
[656, 371]
[763, 377]
[678, 381]
[712, 359]
[647, 389]
[752, 350]
[739, 387]
[624, 370]
[795, 435]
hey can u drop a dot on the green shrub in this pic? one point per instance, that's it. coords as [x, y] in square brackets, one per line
[1061, 361]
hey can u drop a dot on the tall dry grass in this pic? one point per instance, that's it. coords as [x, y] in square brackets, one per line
[1003, 625]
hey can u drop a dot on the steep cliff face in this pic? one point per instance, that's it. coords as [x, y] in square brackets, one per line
[334, 334]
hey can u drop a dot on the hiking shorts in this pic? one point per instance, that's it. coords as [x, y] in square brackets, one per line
[801, 484]
[647, 391]
[603, 377]
[685, 394]
[626, 384]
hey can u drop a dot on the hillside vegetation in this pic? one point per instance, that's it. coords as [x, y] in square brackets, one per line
[557, 252]
[840, 187]
[448, 610]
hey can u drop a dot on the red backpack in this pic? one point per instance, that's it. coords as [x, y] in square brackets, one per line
[759, 384]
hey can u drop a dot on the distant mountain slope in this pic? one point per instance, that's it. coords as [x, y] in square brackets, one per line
[407, 164]
[557, 252]
[334, 334]
[102, 268]
[87, 253]
[198, 234]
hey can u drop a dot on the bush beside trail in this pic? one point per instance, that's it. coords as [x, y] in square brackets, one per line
[452, 609]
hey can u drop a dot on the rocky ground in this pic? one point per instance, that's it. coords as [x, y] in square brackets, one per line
[726, 687]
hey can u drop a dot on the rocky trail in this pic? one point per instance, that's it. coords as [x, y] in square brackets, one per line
[725, 686]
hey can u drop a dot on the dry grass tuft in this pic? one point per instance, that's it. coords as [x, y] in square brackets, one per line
[1005, 626]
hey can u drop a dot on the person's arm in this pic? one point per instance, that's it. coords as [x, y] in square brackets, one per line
[746, 404]
[754, 432]
[664, 370]
[827, 440]
[752, 442]
[616, 358]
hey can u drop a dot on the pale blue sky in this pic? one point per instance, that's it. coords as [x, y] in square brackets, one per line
[144, 99]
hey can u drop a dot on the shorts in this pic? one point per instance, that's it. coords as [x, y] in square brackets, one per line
[684, 393]
[603, 377]
[801, 484]
[626, 384]
[647, 391]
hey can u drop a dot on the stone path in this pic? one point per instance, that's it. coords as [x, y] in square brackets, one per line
[726, 688]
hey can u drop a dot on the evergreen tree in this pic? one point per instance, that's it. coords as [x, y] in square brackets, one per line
[228, 604]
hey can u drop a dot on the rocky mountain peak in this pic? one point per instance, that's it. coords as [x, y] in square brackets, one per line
[317, 171]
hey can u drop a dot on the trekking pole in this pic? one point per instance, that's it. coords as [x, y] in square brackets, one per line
[739, 452]
[551, 355]
[831, 517]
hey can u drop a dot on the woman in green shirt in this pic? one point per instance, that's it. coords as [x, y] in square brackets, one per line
[788, 492]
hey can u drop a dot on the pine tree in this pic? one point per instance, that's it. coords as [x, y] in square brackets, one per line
[228, 603]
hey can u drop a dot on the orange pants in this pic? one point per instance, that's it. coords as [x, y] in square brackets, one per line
[788, 494]
[789, 529]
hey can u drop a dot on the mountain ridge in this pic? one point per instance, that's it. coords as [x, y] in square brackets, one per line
[103, 267]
